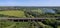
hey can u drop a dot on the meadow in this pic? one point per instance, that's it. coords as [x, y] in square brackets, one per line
[13, 13]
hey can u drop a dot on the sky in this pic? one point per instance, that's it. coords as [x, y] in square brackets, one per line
[29, 2]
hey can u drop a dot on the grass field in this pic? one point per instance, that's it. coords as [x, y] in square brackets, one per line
[44, 24]
[15, 13]
[10, 24]
[58, 26]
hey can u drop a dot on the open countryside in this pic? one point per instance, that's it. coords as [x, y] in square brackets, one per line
[30, 12]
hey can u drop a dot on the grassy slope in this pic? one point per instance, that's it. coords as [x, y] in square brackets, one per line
[13, 13]
[10, 24]
[58, 26]
[44, 26]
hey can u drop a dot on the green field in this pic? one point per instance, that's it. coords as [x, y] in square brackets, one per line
[10, 24]
[49, 23]
[32, 13]
[15, 13]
